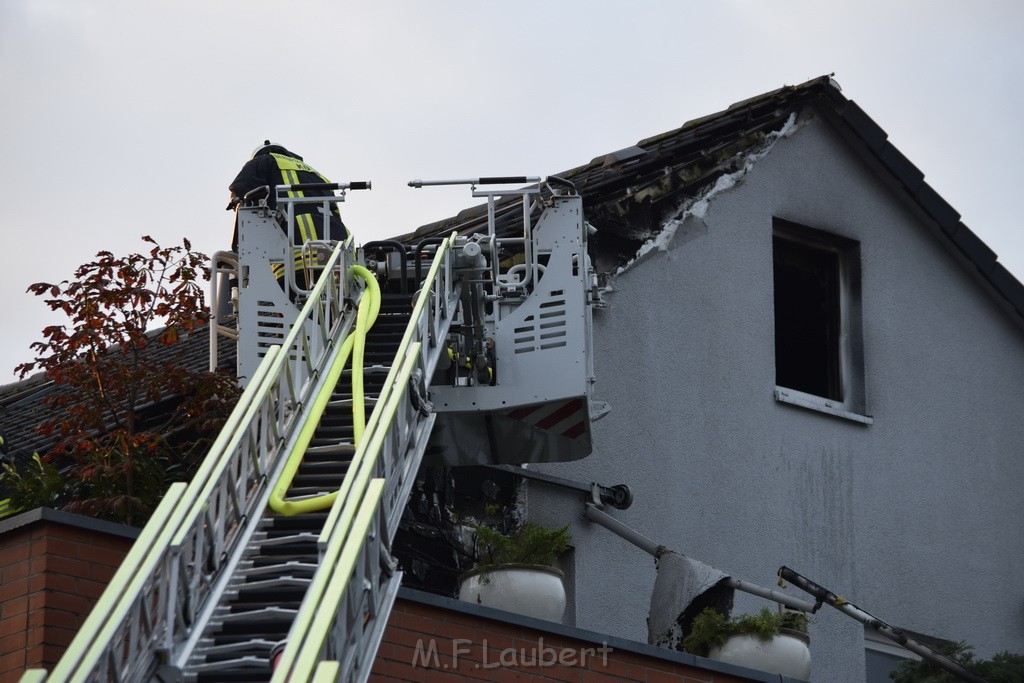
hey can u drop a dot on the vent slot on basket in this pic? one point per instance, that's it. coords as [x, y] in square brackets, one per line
[546, 330]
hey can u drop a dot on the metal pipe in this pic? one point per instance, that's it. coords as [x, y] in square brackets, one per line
[420, 246]
[894, 634]
[313, 199]
[299, 187]
[617, 527]
[528, 260]
[224, 264]
[555, 180]
[646, 544]
[476, 181]
[769, 594]
[618, 496]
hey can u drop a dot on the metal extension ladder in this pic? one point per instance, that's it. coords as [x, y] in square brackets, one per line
[185, 604]
[274, 562]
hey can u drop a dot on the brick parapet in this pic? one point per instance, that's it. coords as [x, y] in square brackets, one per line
[53, 568]
[431, 639]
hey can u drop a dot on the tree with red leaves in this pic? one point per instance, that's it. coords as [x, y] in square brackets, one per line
[131, 420]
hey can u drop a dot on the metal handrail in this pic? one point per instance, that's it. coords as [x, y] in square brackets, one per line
[492, 240]
[124, 603]
[157, 593]
[328, 207]
[112, 607]
[223, 266]
[215, 527]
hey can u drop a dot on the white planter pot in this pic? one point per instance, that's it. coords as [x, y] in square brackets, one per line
[788, 653]
[528, 589]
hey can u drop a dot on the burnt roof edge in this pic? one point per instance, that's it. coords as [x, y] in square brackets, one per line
[824, 92]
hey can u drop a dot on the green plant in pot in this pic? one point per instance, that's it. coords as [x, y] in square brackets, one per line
[1004, 667]
[515, 572]
[532, 544]
[769, 641]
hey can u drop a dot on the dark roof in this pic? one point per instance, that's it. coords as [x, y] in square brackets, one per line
[629, 192]
[22, 406]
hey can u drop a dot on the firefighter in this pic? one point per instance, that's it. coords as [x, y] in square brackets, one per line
[270, 165]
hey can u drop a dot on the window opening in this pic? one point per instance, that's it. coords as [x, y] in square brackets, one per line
[807, 319]
[819, 356]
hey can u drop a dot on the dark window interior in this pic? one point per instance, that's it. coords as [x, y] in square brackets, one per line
[807, 319]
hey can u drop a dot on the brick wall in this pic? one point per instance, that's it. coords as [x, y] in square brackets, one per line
[53, 568]
[445, 642]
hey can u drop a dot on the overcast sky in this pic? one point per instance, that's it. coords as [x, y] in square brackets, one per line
[125, 118]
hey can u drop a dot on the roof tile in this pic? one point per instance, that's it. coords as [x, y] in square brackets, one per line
[1004, 281]
[901, 167]
[938, 208]
[976, 250]
[864, 126]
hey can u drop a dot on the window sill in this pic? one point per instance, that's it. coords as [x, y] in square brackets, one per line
[819, 404]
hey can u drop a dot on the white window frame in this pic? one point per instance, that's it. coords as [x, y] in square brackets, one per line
[853, 405]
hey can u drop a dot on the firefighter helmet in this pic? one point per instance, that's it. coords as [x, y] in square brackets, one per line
[265, 145]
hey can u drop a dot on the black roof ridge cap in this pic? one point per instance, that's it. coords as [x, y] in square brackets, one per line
[916, 188]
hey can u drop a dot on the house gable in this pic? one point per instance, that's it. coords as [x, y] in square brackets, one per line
[724, 472]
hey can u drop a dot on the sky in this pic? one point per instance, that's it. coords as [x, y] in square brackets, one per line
[122, 118]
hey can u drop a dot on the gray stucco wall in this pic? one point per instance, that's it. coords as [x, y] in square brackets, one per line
[916, 518]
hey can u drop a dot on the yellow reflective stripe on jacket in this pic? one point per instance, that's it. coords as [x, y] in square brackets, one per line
[290, 178]
[307, 223]
[307, 230]
[286, 163]
[300, 264]
[290, 167]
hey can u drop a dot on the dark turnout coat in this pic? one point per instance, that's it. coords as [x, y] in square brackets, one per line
[275, 165]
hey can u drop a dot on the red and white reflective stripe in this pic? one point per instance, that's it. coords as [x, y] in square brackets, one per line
[566, 418]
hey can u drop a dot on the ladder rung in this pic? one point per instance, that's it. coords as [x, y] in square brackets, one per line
[248, 661]
[300, 492]
[240, 646]
[339, 448]
[290, 565]
[301, 537]
[263, 614]
[281, 581]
